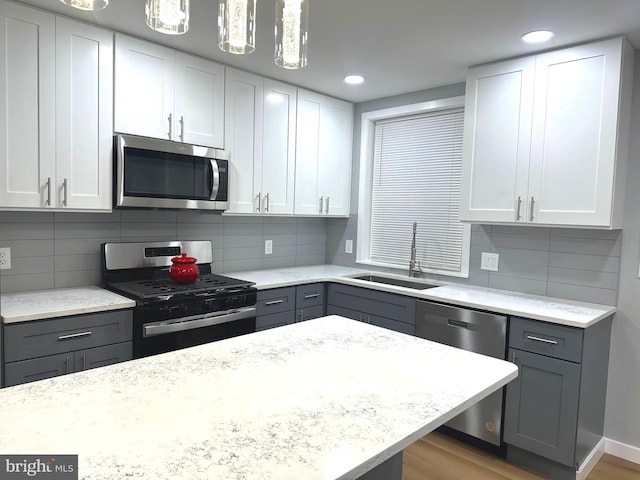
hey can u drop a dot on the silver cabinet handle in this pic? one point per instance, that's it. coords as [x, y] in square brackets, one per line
[259, 197]
[320, 209]
[514, 357]
[84, 361]
[169, 134]
[47, 203]
[74, 335]
[181, 128]
[518, 216]
[326, 209]
[274, 302]
[266, 201]
[64, 188]
[531, 213]
[311, 295]
[543, 340]
[215, 179]
[66, 365]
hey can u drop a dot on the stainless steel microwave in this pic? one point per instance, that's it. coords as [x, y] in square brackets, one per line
[156, 173]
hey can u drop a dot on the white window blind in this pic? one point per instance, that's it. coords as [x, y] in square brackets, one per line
[416, 178]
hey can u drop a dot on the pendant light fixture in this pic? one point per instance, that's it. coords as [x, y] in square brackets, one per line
[236, 26]
[86, 4]
[167, 16]
[292, 19]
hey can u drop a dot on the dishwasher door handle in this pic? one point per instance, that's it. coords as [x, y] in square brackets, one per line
[457, 323]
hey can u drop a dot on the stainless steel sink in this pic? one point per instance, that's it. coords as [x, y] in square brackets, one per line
[400, 282]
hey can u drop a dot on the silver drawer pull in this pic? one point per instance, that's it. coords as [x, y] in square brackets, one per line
[543, 340]
[311, 295]
[274, 302]
[74, 335]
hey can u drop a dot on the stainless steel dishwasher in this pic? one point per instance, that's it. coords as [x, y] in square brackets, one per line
[478, 332]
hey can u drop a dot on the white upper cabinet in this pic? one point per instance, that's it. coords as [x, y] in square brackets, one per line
[260, 135]
[55, 112]
[166, 94]
[546, 138]
[323, 155]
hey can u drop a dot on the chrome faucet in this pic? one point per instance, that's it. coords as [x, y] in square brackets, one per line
[414, 266]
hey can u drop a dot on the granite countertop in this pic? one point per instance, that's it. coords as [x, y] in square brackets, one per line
[548, 309]
[324, 399]
[25, 306]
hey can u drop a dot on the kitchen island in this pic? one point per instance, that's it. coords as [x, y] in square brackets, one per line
[329, 398]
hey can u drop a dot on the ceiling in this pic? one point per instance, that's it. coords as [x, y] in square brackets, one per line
[400, 46]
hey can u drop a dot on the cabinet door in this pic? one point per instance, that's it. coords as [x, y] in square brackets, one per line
[574, 134]
[310, 312]
[144, 88]
[276, 176]
[497, 134]
[199, 101]
[84, 118]
[34, 369]
[334, 163]
[307, 194]
[101, 356]
[264, 322]
[541, 408]
[346, 312]
[27, 107]
[243, 138]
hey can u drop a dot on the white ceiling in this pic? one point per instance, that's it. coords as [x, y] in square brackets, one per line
[400, 46]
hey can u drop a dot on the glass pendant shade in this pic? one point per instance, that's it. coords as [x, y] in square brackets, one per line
[236, 26]
[292, 19]
[168, 16]
[87, 4]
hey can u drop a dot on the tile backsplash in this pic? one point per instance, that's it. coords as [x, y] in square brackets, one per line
[568, 263]
[56, 250]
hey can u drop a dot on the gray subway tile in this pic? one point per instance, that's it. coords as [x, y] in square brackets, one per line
[311, 249]
[149, 216]
[243, 220]
[587, 278]
[311, 239]
[311, 228]
[72, 263]
[30, 282]
[238, 229]
[515, 255]
[304, 260]
[600, 263]
[278, 262]
[82, 246]
[26, 217]
[29, 265]
[582, 293]
[242, 241]
[29, 248]
[522, 242]
[586, 233]
[279, 229]
[86, 230]
[149, 231]
[241, 265]
[480, 237]
[77, 278]
[243, 253]
[282, 250]
[522, 270]
[200, 217]
[520, 230]
[26, 231]
[78, 217]
[585, 246]
[523, 285]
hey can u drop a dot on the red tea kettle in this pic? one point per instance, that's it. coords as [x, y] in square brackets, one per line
[184, 269]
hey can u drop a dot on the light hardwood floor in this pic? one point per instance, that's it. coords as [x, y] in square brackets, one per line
[439, 457]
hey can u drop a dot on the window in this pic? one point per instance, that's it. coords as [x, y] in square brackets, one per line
[410, 171]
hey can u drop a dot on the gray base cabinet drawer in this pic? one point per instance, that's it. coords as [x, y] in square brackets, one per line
[273, 320]
[558, 341]
[276, 300]
[49, 337]
[310, 295]
[373, 302]
[309, 312]
[25, 371]
[372, 319]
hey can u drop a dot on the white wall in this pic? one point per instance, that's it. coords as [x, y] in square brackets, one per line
[622, 421]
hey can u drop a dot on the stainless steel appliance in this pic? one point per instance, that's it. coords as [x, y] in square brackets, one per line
[477, 332]
[170, 316]
[162, 174]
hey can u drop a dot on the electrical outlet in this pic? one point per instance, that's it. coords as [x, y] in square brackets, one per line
[5, 258]
[489, 261]
[348, 246]
[268, 247]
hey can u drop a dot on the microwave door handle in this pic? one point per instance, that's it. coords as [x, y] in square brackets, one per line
[215, 179]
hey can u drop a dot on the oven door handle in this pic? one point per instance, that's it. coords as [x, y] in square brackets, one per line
[197, 321]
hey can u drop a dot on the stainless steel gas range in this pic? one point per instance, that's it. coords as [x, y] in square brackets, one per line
[169, 316]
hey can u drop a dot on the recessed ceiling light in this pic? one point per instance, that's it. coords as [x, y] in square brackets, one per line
[537, 36]
[354, 79]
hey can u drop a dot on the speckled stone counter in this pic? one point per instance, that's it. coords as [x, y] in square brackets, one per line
[25, 306]
[329, 398]
[548, 309]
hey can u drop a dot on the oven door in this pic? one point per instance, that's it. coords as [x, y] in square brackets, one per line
[167, 335]
[161, 174]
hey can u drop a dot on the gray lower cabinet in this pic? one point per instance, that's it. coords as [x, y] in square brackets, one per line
[282, 306]
[48, 348]
[554, 409]
[387, 310]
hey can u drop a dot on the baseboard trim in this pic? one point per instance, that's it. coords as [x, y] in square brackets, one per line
[622, 450]
[591, 460]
